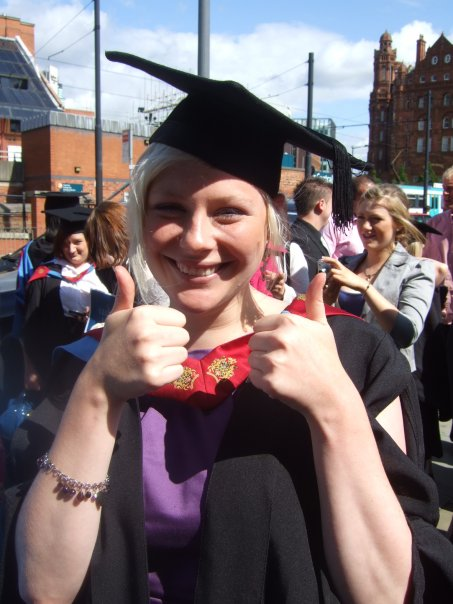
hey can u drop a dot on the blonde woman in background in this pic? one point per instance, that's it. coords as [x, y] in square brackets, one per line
[385, 285]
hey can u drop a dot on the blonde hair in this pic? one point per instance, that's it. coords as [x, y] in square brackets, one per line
[395, 201]
[157, 158]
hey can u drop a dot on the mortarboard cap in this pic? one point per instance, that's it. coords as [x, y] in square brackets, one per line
[228, 127]
[425, 228]
[72, 218]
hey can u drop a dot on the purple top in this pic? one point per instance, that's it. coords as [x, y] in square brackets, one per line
[180, 444]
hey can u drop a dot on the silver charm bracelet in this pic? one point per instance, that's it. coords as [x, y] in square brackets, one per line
[69, 487]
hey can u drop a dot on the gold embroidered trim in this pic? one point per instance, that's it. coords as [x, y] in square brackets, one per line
[222, 368]
[186, 380]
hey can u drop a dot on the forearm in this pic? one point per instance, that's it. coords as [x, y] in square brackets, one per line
[50, 527]
[384, 311]
[367, 540]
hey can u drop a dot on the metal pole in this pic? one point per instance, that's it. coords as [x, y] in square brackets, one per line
[309, 110]
[97, 87]
[131, 152]
[203, 37]
[24, 211]
[427, 133]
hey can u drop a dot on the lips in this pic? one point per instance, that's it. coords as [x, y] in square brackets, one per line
[194, 271]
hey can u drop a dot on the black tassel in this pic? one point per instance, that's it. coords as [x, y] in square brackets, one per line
[342, 213]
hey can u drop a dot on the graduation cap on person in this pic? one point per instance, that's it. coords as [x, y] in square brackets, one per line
[72, 218]
[228, 127]
[425, 228]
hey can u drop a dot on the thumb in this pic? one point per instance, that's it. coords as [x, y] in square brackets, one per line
[314, 302]
[126, 290]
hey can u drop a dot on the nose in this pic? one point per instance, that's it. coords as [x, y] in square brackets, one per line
[198, 233]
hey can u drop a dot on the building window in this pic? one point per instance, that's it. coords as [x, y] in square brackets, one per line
[420, 144]
[422, 79]
[13, 82]
[381, 136]
[421, 124]
[14, 126]
[446, 77]
[380, 154]
[421, 102]
[434, 60]
[382, 116]
[447, 58]
[446, 122]
[14, 153]
[447, 100]
[447, 144]
[433, 78]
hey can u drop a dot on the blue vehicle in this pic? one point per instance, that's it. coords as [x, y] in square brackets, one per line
[415, 194]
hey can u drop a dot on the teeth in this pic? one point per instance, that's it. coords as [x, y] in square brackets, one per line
[196, 272]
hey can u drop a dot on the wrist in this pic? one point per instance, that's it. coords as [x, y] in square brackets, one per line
[93, 386]
[366, 287]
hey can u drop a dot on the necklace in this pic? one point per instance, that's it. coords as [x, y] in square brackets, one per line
[369, 276]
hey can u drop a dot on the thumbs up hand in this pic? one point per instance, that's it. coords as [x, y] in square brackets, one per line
[295, 359]
[141, 348]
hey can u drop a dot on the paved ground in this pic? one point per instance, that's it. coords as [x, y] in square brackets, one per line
[443, 475]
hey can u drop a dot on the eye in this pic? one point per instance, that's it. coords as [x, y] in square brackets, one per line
[167, 208]
[228, 213]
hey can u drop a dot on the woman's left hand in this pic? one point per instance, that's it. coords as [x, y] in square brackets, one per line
[295, 359]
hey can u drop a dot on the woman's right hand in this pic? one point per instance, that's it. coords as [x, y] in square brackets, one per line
[343, 276]
[141, 348]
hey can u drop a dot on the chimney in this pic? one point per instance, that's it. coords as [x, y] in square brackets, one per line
[421, 49]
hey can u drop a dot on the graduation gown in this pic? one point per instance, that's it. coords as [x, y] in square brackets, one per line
[261, 528]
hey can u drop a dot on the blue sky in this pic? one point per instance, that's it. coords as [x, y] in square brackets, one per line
[262, 44]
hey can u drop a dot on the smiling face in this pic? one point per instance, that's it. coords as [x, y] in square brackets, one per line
[75, 249]
[204, 234]
[376, 227]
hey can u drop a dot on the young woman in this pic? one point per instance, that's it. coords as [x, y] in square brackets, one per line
[243, 466]
[58, 295]
[385, 285]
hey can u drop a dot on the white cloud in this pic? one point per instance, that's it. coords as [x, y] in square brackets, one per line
[271, 60]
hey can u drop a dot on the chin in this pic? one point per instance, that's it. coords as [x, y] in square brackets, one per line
[194, 302]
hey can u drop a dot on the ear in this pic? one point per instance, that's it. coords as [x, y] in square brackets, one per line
[320, 206]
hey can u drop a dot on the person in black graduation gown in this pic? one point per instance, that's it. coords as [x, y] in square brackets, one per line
[265, 454]
[58, 295]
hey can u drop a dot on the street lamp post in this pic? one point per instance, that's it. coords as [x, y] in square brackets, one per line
[427, 133]
[203, 37]
[309, 110]
[97, 88]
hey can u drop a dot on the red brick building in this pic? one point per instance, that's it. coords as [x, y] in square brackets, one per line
[404, 102]
[45, 148]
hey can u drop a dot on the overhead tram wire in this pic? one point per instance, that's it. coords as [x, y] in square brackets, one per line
[64, 27]
[71, 45]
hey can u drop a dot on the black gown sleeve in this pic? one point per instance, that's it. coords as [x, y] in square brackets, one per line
[388, 376]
